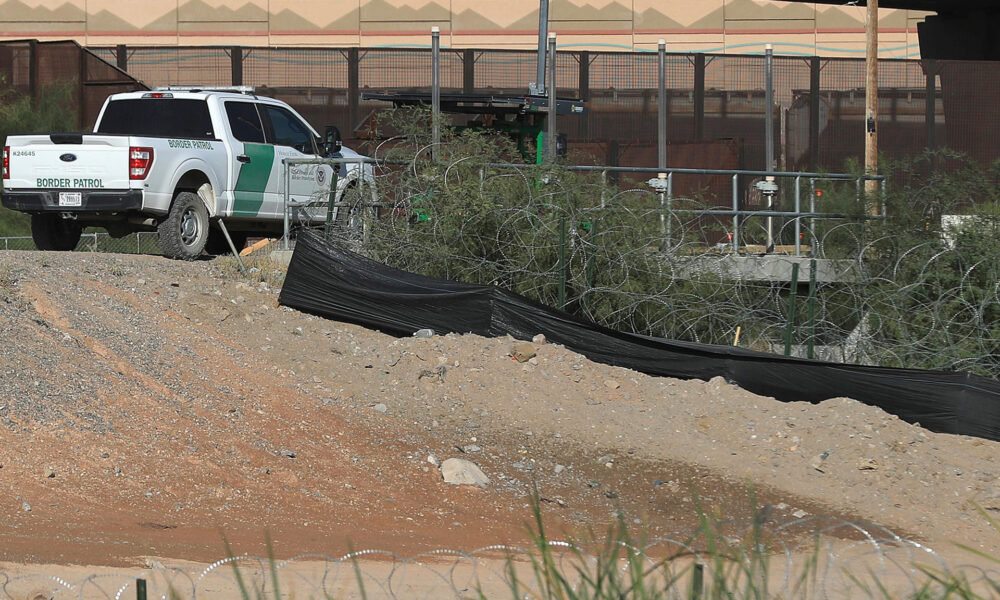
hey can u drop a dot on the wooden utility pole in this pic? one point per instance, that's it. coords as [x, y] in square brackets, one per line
[871, 99]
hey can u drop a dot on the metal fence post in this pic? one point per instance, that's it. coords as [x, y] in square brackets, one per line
[585, 92]
[930, 101]
[769, 108]
[354, 85]
[435, 90]
[814, 93]
[736, 216]
[562, 263]
[812, 308]
[798, 220]
[468, 71]
[236, 56]
[792, 293]
[550, 145]
[699, 96]
[661, 121]
[284, 205]
[121, 57]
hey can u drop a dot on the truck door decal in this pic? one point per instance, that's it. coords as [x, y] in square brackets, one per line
[249, 193]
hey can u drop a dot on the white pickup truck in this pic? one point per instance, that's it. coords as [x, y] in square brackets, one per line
[176, 161]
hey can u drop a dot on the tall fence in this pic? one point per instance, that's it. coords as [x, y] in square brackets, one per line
[819, 101]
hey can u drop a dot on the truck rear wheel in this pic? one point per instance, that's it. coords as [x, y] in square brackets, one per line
[52, 232]
[184, 232]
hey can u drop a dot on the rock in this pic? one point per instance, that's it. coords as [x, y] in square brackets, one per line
[381, 407]
[559, 469]
[522, 352]
[611, 384]
[471, 448]
[288, 453]
[799, 514]
[523, 466]
[25, 507]
[50, 472]
[818, 460]
[433, 460]
[868, 464]
[538, 339]
[423, 333]
[458, 471]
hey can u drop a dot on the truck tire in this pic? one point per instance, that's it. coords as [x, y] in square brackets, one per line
[184, 233]
[52, 232]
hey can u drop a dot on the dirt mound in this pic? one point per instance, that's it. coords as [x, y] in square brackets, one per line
[154, 407]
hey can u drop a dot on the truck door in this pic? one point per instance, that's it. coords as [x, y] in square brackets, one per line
[292, 138]
[252, 170]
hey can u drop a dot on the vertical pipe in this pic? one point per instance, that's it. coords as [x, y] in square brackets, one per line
[543, 34]
[798, 220]
[550, 144]
[814, 92]
[871, 97]
[585, 92]
[435, 90]
[661, 113]
[604, 188]
[697, 581]
[769, 108]
[81, 115]
[284, 207]
[236, 56]
[468, 71]
[930, 101]
[812, 308]
[812, 220]
[34, 85]
[354, 86]
[562, 263]
[699, 96]
[670, 206]
[736, 216]
[792, 292]
[121, 57]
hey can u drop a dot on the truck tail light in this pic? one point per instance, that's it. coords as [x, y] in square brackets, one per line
[6, 162]
[139, 161]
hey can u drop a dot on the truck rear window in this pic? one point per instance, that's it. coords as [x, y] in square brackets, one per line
[160, 117]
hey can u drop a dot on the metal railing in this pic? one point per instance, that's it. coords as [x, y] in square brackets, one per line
[662, 186]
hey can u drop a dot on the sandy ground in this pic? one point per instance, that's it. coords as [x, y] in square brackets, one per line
[155, 408]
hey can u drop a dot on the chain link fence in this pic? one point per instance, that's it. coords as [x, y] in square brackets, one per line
[136, 243]
[819, 101]
[812, 557]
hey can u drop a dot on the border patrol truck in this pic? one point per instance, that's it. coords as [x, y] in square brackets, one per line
[176, 161]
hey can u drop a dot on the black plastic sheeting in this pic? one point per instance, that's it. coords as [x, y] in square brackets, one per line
[332, 282]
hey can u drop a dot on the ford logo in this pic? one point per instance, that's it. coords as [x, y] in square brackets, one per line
[67, 157]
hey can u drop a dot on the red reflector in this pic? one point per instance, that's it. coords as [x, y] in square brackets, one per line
[6, 162]
[139, 161]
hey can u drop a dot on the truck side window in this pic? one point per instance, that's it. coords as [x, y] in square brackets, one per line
[287, 130]
[245, 122]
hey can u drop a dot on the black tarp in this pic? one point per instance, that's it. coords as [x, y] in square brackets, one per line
[332, 282]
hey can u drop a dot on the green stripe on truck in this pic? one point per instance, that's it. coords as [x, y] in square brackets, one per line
[249, 193]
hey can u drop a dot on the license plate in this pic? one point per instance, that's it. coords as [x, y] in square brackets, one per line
[70, 198]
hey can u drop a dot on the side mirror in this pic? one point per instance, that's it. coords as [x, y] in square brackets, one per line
[331, 140]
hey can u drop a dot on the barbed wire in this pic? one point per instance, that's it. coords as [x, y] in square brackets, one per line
[811, 557]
